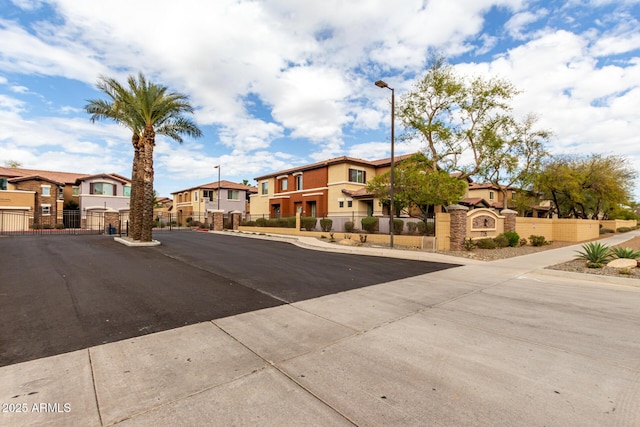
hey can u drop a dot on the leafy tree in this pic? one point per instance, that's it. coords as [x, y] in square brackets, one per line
[417, 184]
[514, 153]
[147, 109]
[456, 118]
[12, 164]
[586, 186]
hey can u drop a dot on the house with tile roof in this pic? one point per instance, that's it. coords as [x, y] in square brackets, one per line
[335, 187]
[197, 202]
[42, 197]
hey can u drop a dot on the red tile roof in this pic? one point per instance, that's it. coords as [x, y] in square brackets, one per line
[62, 177]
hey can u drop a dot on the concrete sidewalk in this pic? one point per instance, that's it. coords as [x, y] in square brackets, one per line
[488, 343]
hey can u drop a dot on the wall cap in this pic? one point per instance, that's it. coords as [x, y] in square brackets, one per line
[457, 208]
[508, 211]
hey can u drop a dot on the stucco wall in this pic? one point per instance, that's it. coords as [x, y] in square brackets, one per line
[564, 230]
[614, 224]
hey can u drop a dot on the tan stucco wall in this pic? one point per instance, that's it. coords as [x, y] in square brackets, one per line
[17, 198]
[564, 230]
[614, 224]
[443, 228]
[400, 240]
[489, 232]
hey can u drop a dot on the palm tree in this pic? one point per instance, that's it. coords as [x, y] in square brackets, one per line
[147, 109]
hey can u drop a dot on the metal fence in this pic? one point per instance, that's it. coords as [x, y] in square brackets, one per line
[69, 223]
[340, 222]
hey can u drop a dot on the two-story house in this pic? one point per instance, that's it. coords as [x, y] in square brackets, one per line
[335, 187]
[52, 199]
[197, 202]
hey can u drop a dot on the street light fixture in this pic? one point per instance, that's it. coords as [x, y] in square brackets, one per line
[218, 190]
[383, 85]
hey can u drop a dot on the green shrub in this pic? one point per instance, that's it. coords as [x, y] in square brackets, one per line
[606, 230]
[309, 223]
[370, 224]
[512, 237]
[291, 222]
[188, 220]
[537, 240]
[595, 252]
[487, 243]
[273, 222]
[196, 224]
[349, 227]
[326, 224]
[261, 222]
[426, 228]
[623, 229]
[59, 226]
[625, 253]
[411, 227]
[501, 241]
[398, 226]
[523, 242]
[594, 265]
[469, 244]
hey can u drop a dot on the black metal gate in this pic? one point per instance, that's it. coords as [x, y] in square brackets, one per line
[17, 223]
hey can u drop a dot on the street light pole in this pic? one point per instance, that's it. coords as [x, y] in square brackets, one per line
[383, 85]
[218, 190]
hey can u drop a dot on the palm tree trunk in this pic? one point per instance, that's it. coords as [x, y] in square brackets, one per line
[134, 205]
[147, 207]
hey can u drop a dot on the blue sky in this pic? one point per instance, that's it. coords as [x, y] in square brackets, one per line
[280, 83]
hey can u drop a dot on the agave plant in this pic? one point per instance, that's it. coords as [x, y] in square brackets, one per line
[625, 253]
[595, 252]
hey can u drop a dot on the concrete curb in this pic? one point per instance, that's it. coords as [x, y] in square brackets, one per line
[134, 243]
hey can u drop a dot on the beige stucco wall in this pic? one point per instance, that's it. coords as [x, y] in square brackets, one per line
[443, 228]
[614, 224]
[564, 230]
[17, 198]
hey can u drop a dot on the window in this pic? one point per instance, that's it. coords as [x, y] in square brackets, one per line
[299, 182]
[513, 195]
[341, 204]
[3, 183]
[265, 187]
[349, 203]
[232, 194]
[208, 193]
[126, 191]
[46, 210]
[284, 184]
[490, 195]
[76, 190]
[60, 193]
[102, 189]
[356, 175]
[46, 190]
[195, 195]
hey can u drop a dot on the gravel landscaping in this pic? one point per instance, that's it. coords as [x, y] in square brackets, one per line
[576, 266]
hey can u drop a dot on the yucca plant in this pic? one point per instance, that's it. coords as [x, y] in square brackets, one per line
[625, 253]
[595, 253]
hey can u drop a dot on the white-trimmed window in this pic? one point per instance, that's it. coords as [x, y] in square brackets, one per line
[490, 195]
[284, 184]
[232, 194]
[341, 203]
[265, 187]
[195, 195]
[46, 210]
[46, 190]
[102, 189]
[126, 191]
[3, 183]
[298, 178]
[75, 190]
[349, 203]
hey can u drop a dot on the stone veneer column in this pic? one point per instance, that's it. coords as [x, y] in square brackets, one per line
[458, 231]
[218, 220]
[509, 219]
[236, 216]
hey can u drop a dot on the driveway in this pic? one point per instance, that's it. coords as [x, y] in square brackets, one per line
[63, 293]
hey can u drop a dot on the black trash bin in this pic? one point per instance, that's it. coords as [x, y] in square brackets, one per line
[112, 229]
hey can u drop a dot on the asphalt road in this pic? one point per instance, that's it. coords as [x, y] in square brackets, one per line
[63, 293]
